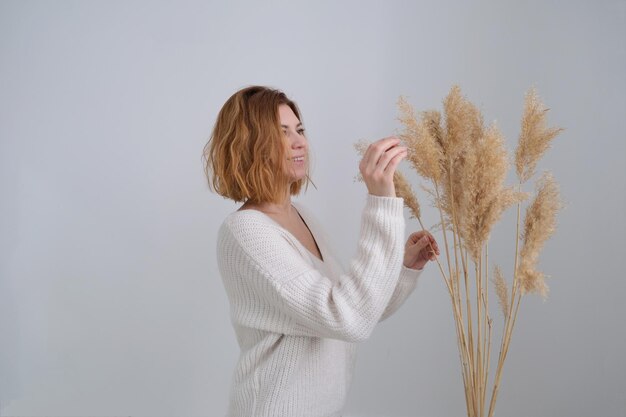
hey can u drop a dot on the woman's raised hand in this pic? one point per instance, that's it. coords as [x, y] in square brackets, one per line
[378, 165]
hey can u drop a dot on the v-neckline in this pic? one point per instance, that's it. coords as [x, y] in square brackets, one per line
[319, 258]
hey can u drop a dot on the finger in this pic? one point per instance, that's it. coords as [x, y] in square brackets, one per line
[423, 242]
[429, 252]
[433, 253]
[390, 159]
[416, 236]
[380, 160]
[433, 243]
[390, 168]
[376, 149]
[380, 146]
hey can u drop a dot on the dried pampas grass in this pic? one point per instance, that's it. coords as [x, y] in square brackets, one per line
[535, 137]
[539, 226]
[479, 192]
[467, 165]
[463, 123]
[424, 152]
[502, 290]
[405, 191]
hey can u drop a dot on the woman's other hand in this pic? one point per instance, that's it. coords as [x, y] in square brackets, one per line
[419, 250]
[378, 165]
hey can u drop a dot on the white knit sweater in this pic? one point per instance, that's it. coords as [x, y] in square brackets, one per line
[296, 318]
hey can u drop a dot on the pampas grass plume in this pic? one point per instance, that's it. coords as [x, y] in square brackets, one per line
[478, 184]
[535, 136]
[539, 226]
[405, 191]
[457, 112]
[502, 290]
[425, 153]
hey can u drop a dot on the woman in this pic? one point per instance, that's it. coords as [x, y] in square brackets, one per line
[297, 315]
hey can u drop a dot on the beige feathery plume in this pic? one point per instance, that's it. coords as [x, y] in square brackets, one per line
[535, 136]
[424, 153]
[533, 281]
[478, 184]
[463, 123]
[361, 146]
[464, 128]
[405, 191]
[501, 290]
[479, 189]
[454, 109]
[432, 119]
[539, 225]
[407, 117]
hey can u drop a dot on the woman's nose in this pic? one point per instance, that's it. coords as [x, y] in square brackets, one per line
[297, 141]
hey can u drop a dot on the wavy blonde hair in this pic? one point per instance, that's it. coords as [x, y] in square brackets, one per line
[245, 157]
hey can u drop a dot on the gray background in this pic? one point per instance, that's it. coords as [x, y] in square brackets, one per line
[110, 299]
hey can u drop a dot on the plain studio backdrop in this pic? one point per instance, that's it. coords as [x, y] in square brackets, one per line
[110, 299]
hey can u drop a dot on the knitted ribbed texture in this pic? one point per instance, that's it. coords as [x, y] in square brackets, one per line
[296, 318]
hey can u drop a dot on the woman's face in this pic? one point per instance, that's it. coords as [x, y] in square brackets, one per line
[297, 146]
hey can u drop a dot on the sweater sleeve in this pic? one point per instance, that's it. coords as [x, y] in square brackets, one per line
[404, 288]
[271, 287]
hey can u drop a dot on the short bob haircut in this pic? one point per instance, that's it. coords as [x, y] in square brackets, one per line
[246, 156]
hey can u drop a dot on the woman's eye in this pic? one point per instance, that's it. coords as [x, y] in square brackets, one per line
[299, 131]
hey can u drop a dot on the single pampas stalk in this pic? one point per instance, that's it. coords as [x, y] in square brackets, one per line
[467, 165]
[501, 290]
[534, 140]
[539, 226]
[535, 136]
[405, 191]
